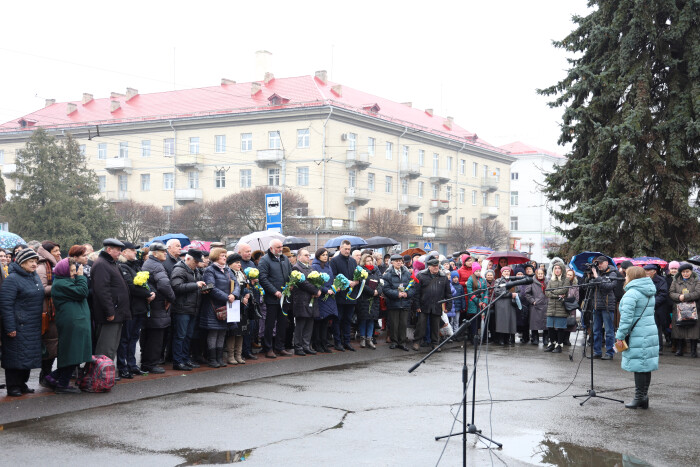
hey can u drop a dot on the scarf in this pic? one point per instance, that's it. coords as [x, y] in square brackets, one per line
[370, 267]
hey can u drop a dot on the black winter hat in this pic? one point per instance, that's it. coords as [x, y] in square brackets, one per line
[682, 267]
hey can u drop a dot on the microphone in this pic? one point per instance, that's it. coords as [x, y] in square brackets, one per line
[521, 281]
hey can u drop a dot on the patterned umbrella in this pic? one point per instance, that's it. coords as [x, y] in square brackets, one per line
[579, 261]
[622, 259]
[642, 260]
[480, 250]
[199, 245]
[9, 240]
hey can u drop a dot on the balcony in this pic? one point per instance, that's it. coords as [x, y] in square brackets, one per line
[489, 212]
[357, 160]
[188, 162]
[409, 203]
[440, 176]
[117, 196]
[118, 164]
[409, 171]
[489, 183]
[267, 157]
[9, 170]
[439, 206]
[187, 195]
[357, 196]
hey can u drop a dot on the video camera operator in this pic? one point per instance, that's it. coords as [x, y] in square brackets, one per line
[604, 306]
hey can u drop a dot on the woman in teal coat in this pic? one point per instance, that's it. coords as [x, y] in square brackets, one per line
[637, 305]
[69, 293]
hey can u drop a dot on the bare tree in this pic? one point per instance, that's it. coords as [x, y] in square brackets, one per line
[495, 234]
[385, 223]
[139, 220]
[463, 236]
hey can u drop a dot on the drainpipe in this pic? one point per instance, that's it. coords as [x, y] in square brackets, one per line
[398, 170]
[323, 170]
[170, 122]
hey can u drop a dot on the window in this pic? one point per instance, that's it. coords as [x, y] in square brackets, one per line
[485, 198]
[461, 221]
[193, 179]
[145, 182]
[370, 146]
[145, 148]
[389, 151]
[102, 150]
[404, 155]
[168, 181]
[303, 138]
[274, 140]
[168, 210]
[497, 200]
[473, 220]
[352, 141]
[168, 147]
[498, 174]
[448, 221]
[473, 197]
[123, 184]
[475, 169]
[514, 175]
[436, 163]
[419, 219]
[303, 176]
[102, 183]
[448, 193]
[123, 150]
[404, 186]
[2, 154]
[513, 198]
[449, 164]
[194, 145]
[273, 177]
[462, 195]
[220, 143]
[351, 213]
[352, 178]
[421, 158]
[436, 191]
[370, 212]
[486, 171]
[420, 189]
[462, 166]
[389, 181]
[370, 182]
[219, 179]
[246, 178]
[246, 142]
[81, 150]
[513, 223]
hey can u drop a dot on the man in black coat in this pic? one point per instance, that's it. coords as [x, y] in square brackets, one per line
[246, 253]
[173, 255]
[605, 306]
[111, 300]
[186, 281]
[344, 264]
[660, 304]
[432, 285]
[274, 270]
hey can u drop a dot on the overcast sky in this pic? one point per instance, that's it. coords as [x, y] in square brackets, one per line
[479, 62]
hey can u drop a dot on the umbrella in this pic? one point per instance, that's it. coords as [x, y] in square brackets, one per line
[695, 260]
[335, 242]
[413, 251]
[642, 260]
[294, 243]
[480, 250]
[381, 242]
[513, 257]
[577, 262]
[9, 240]
[260, 240]
[184, 239]
[199, 245]
[622, 259]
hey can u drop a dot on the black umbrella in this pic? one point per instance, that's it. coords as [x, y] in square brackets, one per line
[294, 243]
[380, 242]
[695, 260]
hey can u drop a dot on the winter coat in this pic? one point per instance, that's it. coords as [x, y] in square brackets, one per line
[451, 310]
[573, 292]
[643, 353]
[274, 273]
[660, 299]
[430, 289]
[344, 265]
[170, 263]
[459, 305]
[72, 320]
[693, 295]
[392, 282]
[555, 307]
[464, 274]
[524, 312]
[110, 294]
[368, 303]
[21, 301]
[218, 296]
[302, 294]
[503, 313]
[327, 307]
[44, 269]
[183, 281]
[475, 300]
[537, 300]
[138, 294]
[159, 283]
[604, 293]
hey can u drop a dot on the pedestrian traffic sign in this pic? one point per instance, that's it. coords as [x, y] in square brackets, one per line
[427, 246]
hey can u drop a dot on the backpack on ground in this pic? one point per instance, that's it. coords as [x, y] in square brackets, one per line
[98, 375]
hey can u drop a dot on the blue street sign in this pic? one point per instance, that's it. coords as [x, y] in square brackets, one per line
[277, 227]
[273, 209]
[427, 246]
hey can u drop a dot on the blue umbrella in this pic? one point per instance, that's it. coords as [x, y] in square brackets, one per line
[335, 242]
[9, 240]
[184, 239]
[578, 261]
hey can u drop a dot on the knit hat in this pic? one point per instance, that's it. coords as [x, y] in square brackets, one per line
[418, 266]
[234, 258]
[454, 274]
[62, 268]
[681, 268]
[506, 267]
[476, 267]
[674, 265]
[25, 254]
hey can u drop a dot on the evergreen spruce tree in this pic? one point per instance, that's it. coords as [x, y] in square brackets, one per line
[631, 102]
[56, 196]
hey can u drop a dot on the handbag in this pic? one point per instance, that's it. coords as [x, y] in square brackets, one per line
[220, 313]
[570, 304]
[570, 321]
[686, 314]
[627, 337]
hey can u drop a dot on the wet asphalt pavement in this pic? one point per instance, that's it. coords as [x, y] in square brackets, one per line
[364, 408]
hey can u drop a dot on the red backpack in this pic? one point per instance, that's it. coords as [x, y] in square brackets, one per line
[98, 375]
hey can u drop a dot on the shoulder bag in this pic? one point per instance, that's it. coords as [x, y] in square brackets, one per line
[626, 346]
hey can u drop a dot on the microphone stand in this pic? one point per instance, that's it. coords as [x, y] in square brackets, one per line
[471, 427]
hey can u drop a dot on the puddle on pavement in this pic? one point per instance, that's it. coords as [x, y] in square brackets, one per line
[531, 448]
[212, 457]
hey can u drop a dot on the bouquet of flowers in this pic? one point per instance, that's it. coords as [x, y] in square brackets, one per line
[339, 283]
[317, 279]
[252, 274]
[141, 280]
[294, 279]
[360, 275]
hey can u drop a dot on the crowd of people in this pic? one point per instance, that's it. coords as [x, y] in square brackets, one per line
[220, 308]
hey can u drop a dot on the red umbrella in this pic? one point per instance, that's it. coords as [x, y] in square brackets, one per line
[199, 245]
[513, 257]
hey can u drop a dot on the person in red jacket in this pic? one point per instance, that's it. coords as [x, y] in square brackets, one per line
[465, 271]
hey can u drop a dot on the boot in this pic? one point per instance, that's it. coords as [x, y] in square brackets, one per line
[639, 382]
[362, 342]
[679, 347]
[231, 350]
[647, 381]
[370, 344]
[535, 339]
[694, 348]
[212, 362]
[238, 350]
[552, 343]
[220, 357]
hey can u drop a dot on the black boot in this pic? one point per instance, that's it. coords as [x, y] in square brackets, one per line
[220, 357]
[645, 390]
[552, 344]
[639, 382]
[212, 362]
[694, 348]
[680, 343]
[535, 338]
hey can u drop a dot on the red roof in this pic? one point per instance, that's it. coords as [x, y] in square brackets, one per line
[302, 91]
[520, 148]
